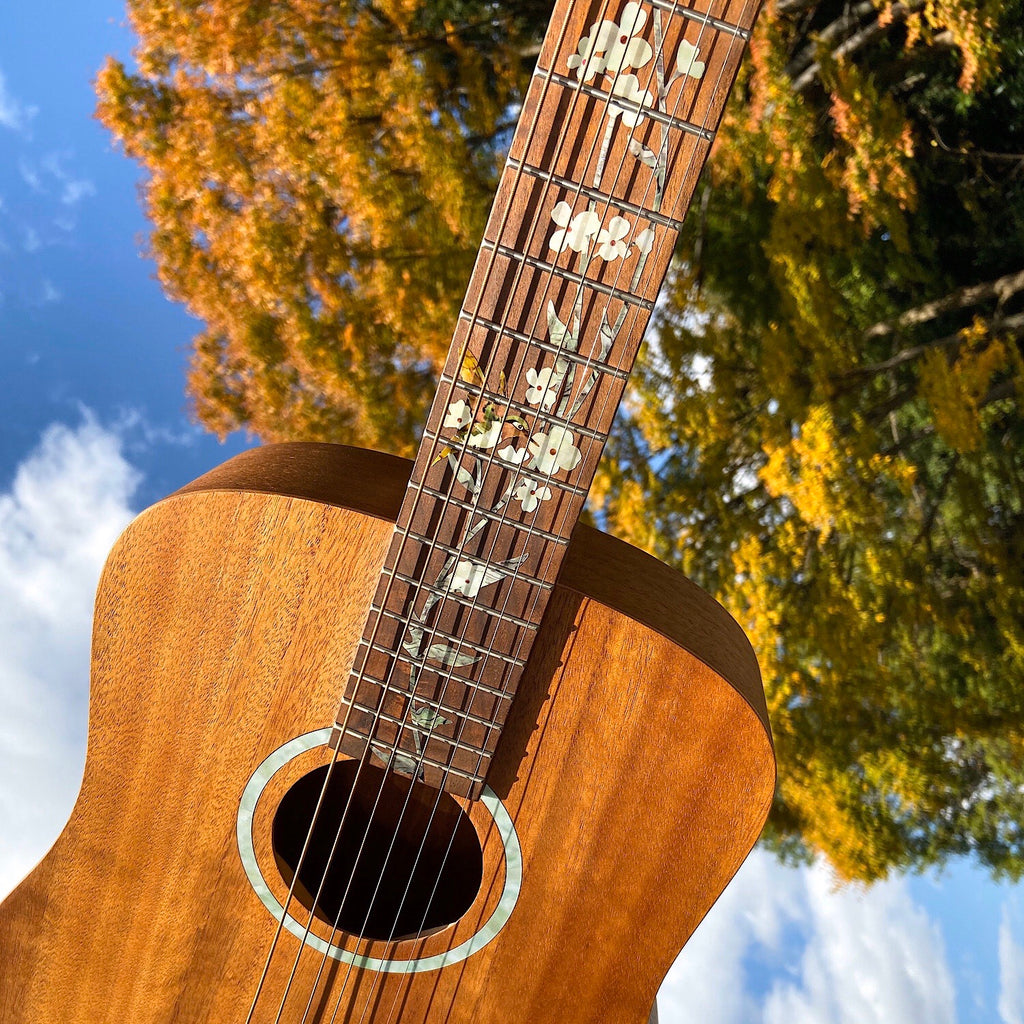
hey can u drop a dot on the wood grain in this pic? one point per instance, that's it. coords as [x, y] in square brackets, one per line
[638, 772]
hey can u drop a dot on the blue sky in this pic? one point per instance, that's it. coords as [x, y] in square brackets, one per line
[95, 427]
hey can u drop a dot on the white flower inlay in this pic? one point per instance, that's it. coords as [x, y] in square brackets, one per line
[610, 241]
[459, 414]
[686, 60]
[611, 47]
[644, 240]
[543, 387]
[628, 88]
[486, 437]
[554, 451]
[575, 232]
[468, 578]
[530, 493]
[512, 454]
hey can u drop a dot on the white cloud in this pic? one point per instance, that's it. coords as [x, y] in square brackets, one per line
[874, 956]
[30, 176]
[14, 114]
[141, 434]
[68, 501]
[843, 956]
[705, 985]
[1011, 973]
[76, 189]
[72, 189]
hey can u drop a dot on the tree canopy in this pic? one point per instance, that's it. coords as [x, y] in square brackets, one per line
[318, 178]
[825, 430]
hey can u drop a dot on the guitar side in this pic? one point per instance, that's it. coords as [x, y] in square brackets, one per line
[636, 768]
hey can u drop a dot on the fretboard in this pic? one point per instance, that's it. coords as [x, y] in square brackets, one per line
[616, 127]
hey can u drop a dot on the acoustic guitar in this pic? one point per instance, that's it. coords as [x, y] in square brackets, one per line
[372, 741]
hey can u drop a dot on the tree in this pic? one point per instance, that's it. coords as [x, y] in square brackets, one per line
[828, 434]
[318, 178]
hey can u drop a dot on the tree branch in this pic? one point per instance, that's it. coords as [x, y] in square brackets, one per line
[904, 395]
[1010, 323]
[787, 7]
[899, 12]
[1002, 288]
[843, 26]
[924, 534]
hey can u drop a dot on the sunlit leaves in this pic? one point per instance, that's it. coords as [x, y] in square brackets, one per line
[317, 179]
[956, 389]
[856, 497]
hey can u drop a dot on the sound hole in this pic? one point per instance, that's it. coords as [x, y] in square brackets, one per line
[401, 867]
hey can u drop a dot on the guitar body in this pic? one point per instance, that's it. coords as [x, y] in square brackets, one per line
[632, 777]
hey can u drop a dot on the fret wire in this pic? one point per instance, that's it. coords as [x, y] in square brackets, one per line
[367, 743]
[461, 641]
[550, 270]
[535, 531]
[458, 743]
[425, 761]
[384, 716]
[528, 136]
[527, 410]
[573, 357]
[439, 545]
[435, 705]
[404, 659]
[688, 127]
[581, 282]
[598, 195]
[691, 15]
[515, 256]
[486, 655]
[429, 588]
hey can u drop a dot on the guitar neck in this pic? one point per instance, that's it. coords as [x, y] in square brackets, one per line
[616, 127]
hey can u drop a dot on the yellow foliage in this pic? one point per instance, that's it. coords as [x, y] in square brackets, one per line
[815, 468]
[830, 806]
[972, 25]
[956, 390]
[752, 599]
[804, 470]
[312, 169]
[873, 159]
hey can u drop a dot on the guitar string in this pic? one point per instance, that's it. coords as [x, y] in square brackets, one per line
[545, 477]
[361, 674]
[488, 460]
[606, 400]
[619, 274]
[474, 602]
[662, 105]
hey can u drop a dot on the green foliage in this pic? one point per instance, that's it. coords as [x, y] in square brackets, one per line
[832, 416]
